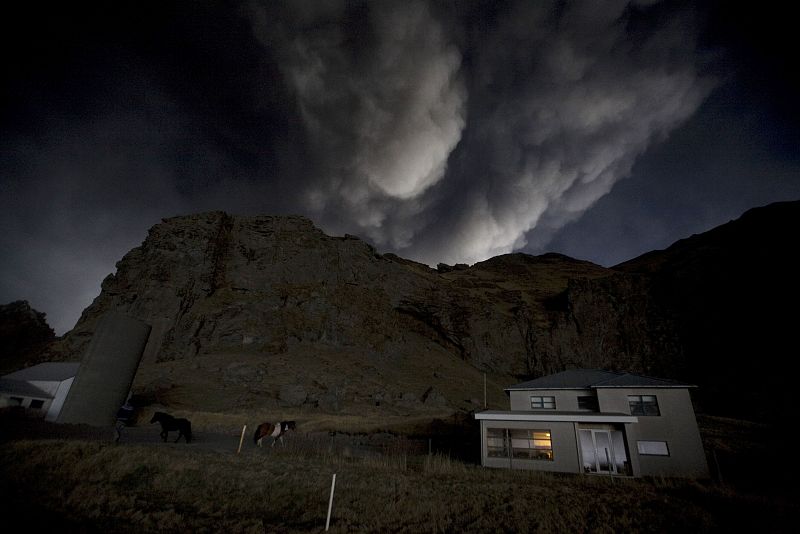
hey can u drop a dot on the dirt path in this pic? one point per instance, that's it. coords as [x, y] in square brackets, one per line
[16, 428]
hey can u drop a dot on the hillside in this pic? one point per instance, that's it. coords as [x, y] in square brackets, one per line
[266, 312]
[732, 293]
[271, 313]
[24, 334]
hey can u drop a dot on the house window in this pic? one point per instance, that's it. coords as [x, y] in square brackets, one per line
[15, 401]
[496, 443]
[588, 403]
[36, 404]
[531, 444]
[526, 444]
[653, 448]
[643, 405]
[543, 403]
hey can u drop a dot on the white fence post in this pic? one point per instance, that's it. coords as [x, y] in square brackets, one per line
[241, 439]
[330, 503]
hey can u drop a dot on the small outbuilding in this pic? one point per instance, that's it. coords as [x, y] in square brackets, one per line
[40, 390]
[596, 422]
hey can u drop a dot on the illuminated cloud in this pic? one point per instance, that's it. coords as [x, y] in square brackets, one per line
[552, 108]
[382, 111]
[444, 132]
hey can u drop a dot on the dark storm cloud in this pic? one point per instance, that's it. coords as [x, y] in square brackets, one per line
[442, 131]
[378, 89]
[451, 143]
[740, 150]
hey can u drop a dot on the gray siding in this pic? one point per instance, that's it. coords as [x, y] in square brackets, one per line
[676, 425]
[566, 399]
[106, 372]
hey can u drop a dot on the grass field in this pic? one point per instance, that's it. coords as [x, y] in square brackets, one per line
[91, 486]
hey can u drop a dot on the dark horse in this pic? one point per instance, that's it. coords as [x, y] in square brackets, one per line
[275, 431]
[183, 426]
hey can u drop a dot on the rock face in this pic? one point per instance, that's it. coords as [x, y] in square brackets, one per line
[270, 311]
[24, 334]
[287, 305]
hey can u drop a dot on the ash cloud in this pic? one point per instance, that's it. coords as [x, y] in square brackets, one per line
[445, 132]
[459, 134]
[378, 89]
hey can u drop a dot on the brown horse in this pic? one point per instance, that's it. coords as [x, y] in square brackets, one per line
[275, 431]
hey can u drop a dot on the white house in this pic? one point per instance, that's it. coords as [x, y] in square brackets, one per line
[596, 422]
[40, 389]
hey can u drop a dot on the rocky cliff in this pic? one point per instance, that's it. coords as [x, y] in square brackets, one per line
[270, 311]
[271, 308]
[24, 336]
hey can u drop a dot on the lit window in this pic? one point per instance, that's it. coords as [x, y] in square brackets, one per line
[653, 448]
[643, 405]
[543, 403]
[531, 444]
[526, 444]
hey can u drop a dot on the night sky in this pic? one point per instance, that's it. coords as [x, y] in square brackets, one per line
[441, 131]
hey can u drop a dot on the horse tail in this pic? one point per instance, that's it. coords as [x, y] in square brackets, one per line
[257, 434]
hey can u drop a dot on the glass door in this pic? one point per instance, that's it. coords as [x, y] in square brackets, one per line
[603, 451]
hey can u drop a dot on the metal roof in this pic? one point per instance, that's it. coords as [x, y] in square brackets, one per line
[48, 372]
[595, 378]
[22, 389]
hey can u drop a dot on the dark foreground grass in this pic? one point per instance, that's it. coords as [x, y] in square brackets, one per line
[87, 486]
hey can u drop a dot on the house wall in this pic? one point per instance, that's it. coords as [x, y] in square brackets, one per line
[676, 425]
[59, 397]
[6, 402]
[566, 399]
[562, 435]
[107, 371]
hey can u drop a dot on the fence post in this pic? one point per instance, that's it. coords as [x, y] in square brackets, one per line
[716, 464]
[330, 503]
[508, 437]
[241, 439]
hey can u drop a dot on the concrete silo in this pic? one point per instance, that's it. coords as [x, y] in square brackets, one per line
[106, 373]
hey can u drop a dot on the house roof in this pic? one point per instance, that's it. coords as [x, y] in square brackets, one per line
[48, 372]
[594, 379]
[22, 389]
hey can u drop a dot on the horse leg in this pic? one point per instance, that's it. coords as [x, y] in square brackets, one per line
[282, 443]
[164, 436]
[180, 433]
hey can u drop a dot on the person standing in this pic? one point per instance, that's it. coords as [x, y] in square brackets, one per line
[124, 418]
